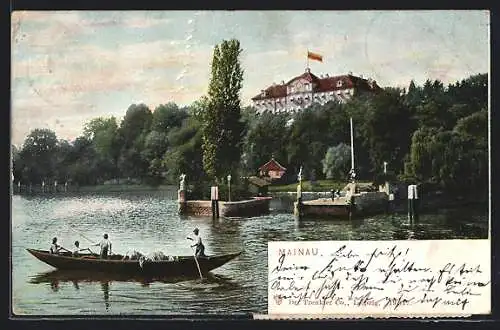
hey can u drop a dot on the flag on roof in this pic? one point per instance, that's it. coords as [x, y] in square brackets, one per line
[314, 56]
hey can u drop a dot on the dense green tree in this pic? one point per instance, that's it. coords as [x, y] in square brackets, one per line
[267, 137]
[38, 156]
[222, 126]
[84, 168]
[137, 121]
[103, 132]
[385, 140]
[133, 131]
[430, 134]
[337, 162]
[185, 152]
[475, 126]
[167, 116]
[312, 132]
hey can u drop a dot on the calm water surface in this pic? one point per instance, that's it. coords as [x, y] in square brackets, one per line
[149, 223]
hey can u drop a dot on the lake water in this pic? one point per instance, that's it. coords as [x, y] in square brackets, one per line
[149, 223]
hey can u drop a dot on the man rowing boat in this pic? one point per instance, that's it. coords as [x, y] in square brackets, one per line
[200, 248]
[77, 250]
[56, 248]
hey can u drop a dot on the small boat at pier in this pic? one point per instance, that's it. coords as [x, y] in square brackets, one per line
[120, 264]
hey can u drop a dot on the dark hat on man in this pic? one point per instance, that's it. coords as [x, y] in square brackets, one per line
[195, 230]
[105, 235]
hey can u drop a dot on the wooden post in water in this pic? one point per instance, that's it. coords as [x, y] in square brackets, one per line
[214, 197]
[66, 186]
[410, 203]
[298, 205]
[30, 188]
[55, 186]
[19, 187]
[43, 186]
[413, 203]
[181, 195]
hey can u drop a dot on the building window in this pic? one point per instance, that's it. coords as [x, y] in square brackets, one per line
[339, 83]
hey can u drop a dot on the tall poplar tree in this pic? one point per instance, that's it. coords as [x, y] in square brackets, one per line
[222, 126]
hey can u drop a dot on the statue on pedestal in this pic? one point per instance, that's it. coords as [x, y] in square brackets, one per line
[182, 184]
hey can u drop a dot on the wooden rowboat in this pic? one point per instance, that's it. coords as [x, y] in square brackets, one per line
[175, 266]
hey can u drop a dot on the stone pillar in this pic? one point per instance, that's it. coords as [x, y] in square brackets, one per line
[181, 199]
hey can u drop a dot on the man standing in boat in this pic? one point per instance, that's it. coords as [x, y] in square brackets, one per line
[105, 246]
[200, 248]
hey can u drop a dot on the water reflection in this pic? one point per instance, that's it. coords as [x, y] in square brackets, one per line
[105, 290]
[75, 277]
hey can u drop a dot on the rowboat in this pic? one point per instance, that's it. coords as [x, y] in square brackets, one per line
[119, 264]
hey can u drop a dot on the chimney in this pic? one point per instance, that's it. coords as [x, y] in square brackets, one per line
[350, 73]
[282, 82]
[327, 75]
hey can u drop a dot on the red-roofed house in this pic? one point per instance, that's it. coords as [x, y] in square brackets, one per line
[272, 169]
[306, 89]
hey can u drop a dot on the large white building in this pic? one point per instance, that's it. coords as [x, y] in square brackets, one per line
[306, 89]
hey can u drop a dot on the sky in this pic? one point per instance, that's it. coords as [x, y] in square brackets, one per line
[70, 67]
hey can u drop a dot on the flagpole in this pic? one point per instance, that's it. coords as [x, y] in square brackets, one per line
[307, 59]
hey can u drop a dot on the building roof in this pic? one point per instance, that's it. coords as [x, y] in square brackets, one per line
[323, 84]
[307, 76]
[272, 165]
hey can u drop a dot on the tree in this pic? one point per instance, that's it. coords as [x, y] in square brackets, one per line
[385, 140]
[222, 128]
[337, 162]
[133, 130]
[137, 120]
[185, 152]
[84, 168]
[476, 127]
[167, 116]
[103, 132]
[38, 156]
[155, 146]
[266, 137]
[313, 130]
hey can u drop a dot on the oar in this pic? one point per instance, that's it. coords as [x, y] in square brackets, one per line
[197, 265]
[88, 239]
[196, 260]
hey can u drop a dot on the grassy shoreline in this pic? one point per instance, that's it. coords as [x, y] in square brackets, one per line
[320, 186]
[125, 188]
